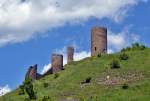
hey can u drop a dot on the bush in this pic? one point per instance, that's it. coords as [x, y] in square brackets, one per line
[56, 75]
[135, 46]
[123, 56]
[28, 87]
[88, 80]
[45, 85]
[21, 90]
[114, 64]
[93, 98]
[46, 98]
[125, 86]
[81, 99]
[99, 55]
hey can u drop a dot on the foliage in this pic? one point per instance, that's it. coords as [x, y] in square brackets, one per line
[123, 56]
[28, 87]
[133, 47]
[21, 90]
[125, 86]
[99, 55]
[88, 80]
[115, 64]
[46, 98]
[56, 75]
[45, 85]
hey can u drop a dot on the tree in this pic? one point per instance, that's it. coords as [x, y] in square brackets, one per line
[28, 87]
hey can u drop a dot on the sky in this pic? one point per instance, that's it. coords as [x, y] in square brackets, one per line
[31, 30]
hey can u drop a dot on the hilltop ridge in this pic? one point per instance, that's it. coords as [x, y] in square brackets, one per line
[93, 79]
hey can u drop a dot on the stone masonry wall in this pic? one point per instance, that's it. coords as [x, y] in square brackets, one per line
[98, 40]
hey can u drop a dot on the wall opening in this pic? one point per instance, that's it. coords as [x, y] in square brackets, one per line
[95, 48]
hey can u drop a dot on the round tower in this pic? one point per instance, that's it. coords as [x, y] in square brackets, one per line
[57, 63]
[98, 40]
[70, 54]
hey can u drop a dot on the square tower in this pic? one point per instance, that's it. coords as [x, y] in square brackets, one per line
[70, 54]
[57, 63]
[98, 41]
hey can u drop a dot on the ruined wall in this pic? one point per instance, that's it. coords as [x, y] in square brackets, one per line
[98, 40]
[32, 72]
[70, 54]
[57, 63]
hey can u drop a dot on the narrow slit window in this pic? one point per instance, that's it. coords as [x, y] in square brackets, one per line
[95, 49]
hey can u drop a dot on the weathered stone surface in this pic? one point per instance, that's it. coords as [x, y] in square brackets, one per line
[98, 41]
[48, 72]
[57, 63]
[32, 73]
[70, 54]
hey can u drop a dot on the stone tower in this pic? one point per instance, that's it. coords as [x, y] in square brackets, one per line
[70, 54]
[98, 40]
[32, 72]
[57, 63]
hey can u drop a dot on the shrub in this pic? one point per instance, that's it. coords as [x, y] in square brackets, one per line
[124, 56]
[135, 46]
[93, 98]
[28, 87]
[46, 98]
[45, 85]
[88, 80]
[114, 64]
[125, 86]
[81, 99]
[21, 90]
[56, 75]
[27, 99]
[99, 55]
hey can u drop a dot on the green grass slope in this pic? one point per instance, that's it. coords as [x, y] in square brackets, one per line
[106, 83]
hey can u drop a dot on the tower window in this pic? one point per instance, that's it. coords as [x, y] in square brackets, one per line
[95, 49]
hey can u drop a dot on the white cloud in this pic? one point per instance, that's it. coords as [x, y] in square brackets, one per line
[21, 21]
[117, 41]
[77, 56]
[110, 51]
[4, 90]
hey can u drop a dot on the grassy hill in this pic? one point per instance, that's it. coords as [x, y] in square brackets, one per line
[130, 82]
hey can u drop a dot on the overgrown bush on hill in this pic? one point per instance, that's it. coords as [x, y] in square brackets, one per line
[115, 64]
[45, 85]
[99, 55]
[46, 98]
[125, 86]
[123, 56]
[87, 80]
[56, 75]
[28, 87]
[21, 90]
[135, 46]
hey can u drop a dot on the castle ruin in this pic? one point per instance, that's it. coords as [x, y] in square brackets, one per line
[70, 54]
[57, 62]
[98, 46]
[32, 73]
[98, 41]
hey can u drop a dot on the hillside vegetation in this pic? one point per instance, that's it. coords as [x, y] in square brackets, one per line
[123, 76]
